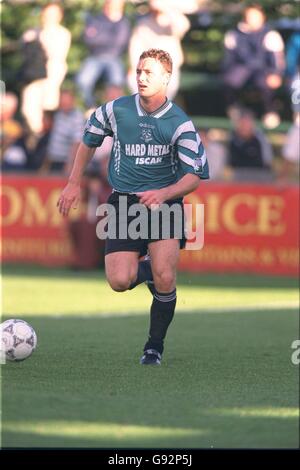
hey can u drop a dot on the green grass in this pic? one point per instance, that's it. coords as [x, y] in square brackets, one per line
[226, 380]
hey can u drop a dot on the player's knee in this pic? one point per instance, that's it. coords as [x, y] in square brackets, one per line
[164, 281]
[119, 283]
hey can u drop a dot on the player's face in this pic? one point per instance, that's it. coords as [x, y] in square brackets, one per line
[152, 78]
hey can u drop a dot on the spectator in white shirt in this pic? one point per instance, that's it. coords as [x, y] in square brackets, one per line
[43, 93]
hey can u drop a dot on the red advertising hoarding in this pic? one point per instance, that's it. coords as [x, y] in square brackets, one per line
[248, 227]
[32, 229]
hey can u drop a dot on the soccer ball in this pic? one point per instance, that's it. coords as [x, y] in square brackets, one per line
[18, 340]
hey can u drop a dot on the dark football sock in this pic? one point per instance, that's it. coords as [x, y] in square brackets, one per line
[161, 315]
[144, 273]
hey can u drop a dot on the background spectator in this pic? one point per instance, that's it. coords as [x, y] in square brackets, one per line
[41, 91]
[249, 149]
[13, 153]
[106, 37]
[254, 56]
[65, 135]
[39, 151]
[10, 128]
[163, 27]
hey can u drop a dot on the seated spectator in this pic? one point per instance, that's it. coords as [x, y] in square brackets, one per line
[15, 157]
[14, 154]
[254, 57]
[65, 135]
[10, 128]
[250, 153]
[106, 36]
[39, 150]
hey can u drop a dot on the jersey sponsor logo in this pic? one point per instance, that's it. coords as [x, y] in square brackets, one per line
[150, 150]
[135, 150]
[147, 160]
[157, 150]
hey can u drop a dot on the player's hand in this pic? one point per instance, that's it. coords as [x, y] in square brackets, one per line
[69, 197]
[153, 198]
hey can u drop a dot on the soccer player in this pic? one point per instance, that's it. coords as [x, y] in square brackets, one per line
[157, 158]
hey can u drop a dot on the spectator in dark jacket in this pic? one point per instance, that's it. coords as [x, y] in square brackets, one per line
[254, 56]
[249, 149]
[106, 37]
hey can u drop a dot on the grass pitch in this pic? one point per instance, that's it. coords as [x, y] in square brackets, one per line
[226, 380]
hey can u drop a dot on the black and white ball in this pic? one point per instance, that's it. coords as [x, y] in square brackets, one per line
[18, 340]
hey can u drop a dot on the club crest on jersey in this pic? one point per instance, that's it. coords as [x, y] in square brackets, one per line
[146, 135]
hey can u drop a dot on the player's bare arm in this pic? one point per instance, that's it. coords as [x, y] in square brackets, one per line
[70, 196]
[184, 186]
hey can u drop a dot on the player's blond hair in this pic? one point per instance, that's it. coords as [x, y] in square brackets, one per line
[162, 56]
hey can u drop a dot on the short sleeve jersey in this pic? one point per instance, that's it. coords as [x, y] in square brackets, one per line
[150, 150]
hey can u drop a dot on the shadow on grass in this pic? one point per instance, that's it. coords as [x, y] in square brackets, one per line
[224, 432]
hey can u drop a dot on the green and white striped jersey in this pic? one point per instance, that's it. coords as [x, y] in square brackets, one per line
[150, 151]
